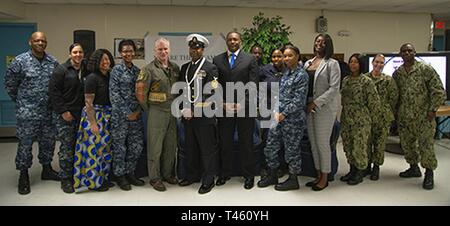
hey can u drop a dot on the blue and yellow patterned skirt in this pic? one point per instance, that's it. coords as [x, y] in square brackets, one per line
[92, 162]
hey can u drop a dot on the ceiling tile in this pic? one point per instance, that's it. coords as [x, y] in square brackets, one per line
[120, 2]
[189, 2]
[425, 6]
[86, 2]
[153, 2]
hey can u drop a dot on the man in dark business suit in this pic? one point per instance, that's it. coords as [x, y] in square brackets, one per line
[236, 66]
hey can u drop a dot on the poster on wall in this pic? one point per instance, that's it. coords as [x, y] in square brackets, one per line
[179, 48]
[140, 48]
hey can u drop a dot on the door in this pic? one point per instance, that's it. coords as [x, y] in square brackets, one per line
[13, 41]
[447, 40]
[438, 43]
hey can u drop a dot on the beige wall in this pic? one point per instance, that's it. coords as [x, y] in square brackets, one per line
[369, 32]
[12, 9]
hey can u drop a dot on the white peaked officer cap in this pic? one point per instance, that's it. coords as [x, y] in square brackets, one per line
[197, 41]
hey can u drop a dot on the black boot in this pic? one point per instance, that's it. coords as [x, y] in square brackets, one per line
[270, 179]
[24, 182]
[48, 173]
[290, 184]
[356, 178]
[123, 183]
[347, 176]
[413, 171]
[134, 180]
[375, 175]
[368, 170]
[428, 182]
[282, 171]
[263, 172]
[67, 186]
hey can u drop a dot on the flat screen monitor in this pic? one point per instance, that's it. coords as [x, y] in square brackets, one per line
[440, 61]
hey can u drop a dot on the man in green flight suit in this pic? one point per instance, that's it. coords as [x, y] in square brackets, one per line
[420, 95]
[153, 88]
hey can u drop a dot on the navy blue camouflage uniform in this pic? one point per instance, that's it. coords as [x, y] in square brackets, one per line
[127, 136]
[289, 132]
[66, 90]
[26, 82]
[269, 74]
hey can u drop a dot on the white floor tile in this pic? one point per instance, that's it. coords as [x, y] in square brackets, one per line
[389, 190]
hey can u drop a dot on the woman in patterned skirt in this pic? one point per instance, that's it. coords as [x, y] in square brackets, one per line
[92, 162]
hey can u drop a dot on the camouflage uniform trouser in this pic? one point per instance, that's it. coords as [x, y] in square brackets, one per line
[127, 145]
[416, 138]
[67, 135]
[289, 133]
[42, 131]
[354, 139]
[377, 143]
[161, 143]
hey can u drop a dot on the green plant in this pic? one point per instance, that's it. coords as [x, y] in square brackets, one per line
[269, 33]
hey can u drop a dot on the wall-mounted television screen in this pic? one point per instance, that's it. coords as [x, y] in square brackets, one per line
[440, 61]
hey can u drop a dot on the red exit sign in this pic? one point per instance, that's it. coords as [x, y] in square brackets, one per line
[439, 25]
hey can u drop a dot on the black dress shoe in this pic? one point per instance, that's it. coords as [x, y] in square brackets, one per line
[249, 183]
[171, 180]
[104, 187]
[185, 183]
[317, 188]
[311, 183]
[110, 184]
[134, 180]
[67, 186]
[123, 183]
[205, 188]
[222, 180]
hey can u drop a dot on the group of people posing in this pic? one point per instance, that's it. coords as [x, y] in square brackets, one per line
[95, 108]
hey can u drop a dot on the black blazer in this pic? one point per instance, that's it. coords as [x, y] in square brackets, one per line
[66, 89]
[245, 70]
[211, 73]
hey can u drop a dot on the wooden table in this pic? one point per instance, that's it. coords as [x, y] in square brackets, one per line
[444, 112]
